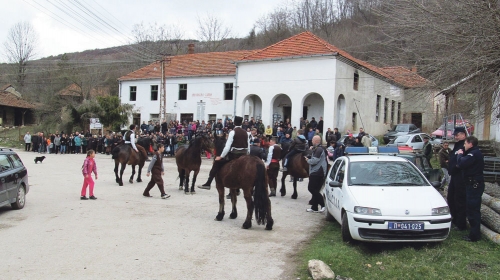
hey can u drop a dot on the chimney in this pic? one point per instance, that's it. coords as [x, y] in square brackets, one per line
[191, 49]
[414, 69]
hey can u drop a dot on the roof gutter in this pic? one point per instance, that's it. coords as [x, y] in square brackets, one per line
[177, 77]
[235, 91]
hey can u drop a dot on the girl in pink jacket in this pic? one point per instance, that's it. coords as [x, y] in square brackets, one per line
[88, 167]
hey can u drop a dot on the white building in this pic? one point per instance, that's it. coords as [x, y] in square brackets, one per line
[302, 76]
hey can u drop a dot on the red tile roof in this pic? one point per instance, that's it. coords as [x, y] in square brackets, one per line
[198, 64]
[303, 44]
[306, 43]
[405, 77]
[71, 90]
[10, 100]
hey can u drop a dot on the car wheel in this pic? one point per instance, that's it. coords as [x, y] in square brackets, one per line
[20, 199]
[346, 234]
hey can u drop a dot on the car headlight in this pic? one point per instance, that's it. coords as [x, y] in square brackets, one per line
[367, 211]
[441, 211]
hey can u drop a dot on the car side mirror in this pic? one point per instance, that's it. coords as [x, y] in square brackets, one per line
[436, 184]
[335, 184]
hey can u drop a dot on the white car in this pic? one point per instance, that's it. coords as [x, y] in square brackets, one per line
[416, 141]
[384, 198]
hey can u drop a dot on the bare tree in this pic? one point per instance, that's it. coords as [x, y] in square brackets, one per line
[20, 47]
[213, 33]
[454, 43]
[158, 39]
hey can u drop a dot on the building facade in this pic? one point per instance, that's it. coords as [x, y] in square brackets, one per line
[300, 77]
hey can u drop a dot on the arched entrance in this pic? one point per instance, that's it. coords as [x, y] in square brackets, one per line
[282, 108]
[341, 111]
[252, 107]
[313, 106]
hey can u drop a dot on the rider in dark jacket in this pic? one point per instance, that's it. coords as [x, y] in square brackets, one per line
[299, 145]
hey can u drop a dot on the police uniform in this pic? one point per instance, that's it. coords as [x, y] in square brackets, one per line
[456, 189]
[471, 162]
[273, 165]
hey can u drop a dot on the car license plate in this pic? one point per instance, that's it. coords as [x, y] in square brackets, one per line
[416, 226]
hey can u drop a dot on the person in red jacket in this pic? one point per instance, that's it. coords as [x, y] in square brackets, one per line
[88, 167]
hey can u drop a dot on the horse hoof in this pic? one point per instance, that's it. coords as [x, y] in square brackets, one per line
[247, 225]
[233, 215]
[294, 196]
[272, 194]
[193, 192]
[139, 180]
[120, 184]
[219, 216]
[269, 225]
[186, 193]
[181, 188]
[283, 193]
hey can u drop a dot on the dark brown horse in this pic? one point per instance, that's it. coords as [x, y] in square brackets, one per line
[297, 168]
[188, 158]
[247, 173]
[124, 154]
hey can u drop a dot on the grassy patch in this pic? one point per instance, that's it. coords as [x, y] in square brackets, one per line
[451, 259]
[13, 137]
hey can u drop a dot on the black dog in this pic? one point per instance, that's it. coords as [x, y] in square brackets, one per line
[39, 159]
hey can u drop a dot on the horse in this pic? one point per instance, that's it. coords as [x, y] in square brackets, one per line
[247, 173]
[297, 168]
[188, 158]
[123, 154]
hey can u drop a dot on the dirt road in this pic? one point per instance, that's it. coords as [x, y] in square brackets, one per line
[123, 235]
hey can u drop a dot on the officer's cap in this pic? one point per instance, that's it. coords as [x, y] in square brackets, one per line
[458, 129]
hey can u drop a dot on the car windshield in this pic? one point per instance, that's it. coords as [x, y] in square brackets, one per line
[401, 128]
[384, 173]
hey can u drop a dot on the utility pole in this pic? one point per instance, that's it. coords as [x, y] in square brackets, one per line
[163, 91]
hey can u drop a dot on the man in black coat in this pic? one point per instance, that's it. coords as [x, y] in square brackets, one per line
[471, 161]
[456, 188]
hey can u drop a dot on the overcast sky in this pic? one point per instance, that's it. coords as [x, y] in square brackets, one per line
[63, 27]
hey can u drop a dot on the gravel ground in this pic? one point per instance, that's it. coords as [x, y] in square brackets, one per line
[123, 235]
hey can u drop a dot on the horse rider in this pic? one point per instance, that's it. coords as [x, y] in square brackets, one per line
[237, 144]
[130, 137]
[273, 165]
[299, 145]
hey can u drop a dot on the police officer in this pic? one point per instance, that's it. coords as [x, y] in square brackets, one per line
[456, 187]
[471, 161]
[237, 144]
[130, 137]
[273, 165]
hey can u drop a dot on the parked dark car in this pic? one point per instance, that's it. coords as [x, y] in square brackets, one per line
[433, 175]
[400, 129]
[13, 179]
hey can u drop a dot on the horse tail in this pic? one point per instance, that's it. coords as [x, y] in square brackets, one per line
[260, 197]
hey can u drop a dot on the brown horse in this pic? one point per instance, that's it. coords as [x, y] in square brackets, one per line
[247, 173]
[297, 168]
[124, 154]
[188, 158]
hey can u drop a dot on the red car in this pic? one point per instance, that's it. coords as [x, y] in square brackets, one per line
[449, 129]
